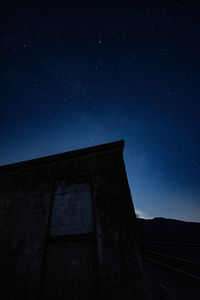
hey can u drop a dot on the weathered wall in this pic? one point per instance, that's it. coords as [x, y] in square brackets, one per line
[25, 201]
[119, 254]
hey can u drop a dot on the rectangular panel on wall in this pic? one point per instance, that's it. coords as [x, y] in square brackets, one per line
[72, 209]
[70, 262]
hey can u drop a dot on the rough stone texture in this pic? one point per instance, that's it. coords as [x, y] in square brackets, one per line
[72, 210]
[26, 193]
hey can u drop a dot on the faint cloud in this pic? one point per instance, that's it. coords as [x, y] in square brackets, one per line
[141, 214]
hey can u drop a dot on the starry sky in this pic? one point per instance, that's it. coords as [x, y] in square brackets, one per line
[76, 74]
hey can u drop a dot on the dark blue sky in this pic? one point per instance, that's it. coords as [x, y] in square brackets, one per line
[76, 74]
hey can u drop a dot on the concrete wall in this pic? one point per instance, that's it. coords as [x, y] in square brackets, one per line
[26, 192]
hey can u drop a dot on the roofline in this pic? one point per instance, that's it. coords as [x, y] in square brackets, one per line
[63, 156]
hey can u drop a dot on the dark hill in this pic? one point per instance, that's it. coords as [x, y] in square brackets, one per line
[170, 230]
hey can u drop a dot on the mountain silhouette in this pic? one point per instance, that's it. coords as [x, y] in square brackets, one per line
[169, 230]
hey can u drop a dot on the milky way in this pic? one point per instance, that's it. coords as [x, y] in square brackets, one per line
[76, 75]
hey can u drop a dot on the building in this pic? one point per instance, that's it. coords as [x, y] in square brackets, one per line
[68, 228]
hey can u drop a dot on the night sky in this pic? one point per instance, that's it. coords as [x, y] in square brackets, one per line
[76, 74]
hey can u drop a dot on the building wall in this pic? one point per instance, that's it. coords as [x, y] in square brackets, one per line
[26, 194]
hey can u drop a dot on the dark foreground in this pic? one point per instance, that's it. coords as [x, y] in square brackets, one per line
[174, 284]
[172, 256]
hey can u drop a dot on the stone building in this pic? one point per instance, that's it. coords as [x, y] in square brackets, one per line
[68, 228]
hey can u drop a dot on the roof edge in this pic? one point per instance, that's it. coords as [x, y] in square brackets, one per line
[63, 156]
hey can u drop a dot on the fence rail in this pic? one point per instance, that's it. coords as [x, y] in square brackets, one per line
[189, 265]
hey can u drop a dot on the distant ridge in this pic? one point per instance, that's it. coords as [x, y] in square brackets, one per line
[170, 230]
